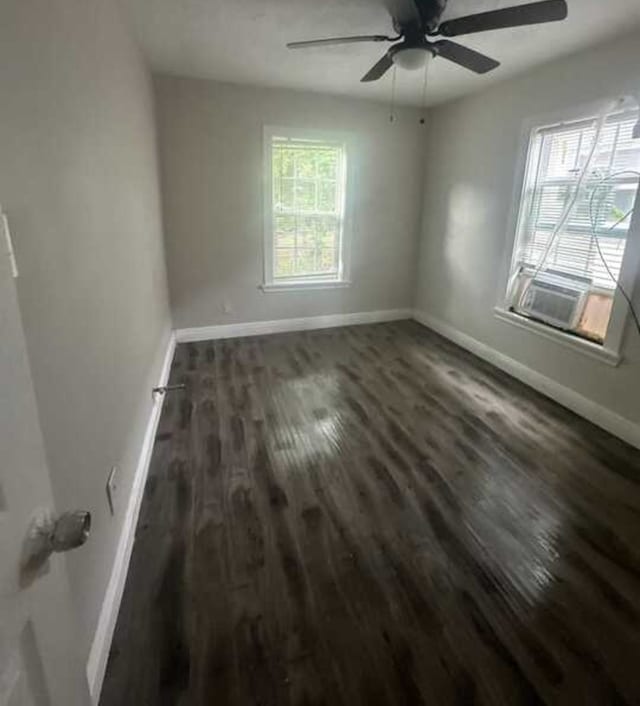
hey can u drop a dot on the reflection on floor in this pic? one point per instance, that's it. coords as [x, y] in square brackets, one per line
[370, 515]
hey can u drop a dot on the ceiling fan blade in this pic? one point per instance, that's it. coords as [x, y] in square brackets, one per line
[378, 70]
[531, 14]
[470, 59]
[340, 40]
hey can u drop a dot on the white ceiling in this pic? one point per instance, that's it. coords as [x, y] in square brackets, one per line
[243, 41]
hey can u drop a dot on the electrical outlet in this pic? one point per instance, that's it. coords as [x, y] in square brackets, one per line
[226, 306]
[112, 486]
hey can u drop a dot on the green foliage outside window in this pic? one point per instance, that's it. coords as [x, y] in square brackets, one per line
[306, 203]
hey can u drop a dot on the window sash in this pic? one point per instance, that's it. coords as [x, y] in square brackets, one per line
[306, 248]
[556, 155]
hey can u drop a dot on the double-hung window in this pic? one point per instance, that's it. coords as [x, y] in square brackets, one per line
[575, 212]
[305, 233]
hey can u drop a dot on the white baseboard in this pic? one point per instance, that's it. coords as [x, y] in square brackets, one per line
[260, 328]
[99, 653]
[606, 419]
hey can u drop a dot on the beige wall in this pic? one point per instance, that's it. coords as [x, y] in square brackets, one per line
[211, 159]
[78, 180]
[472, 155]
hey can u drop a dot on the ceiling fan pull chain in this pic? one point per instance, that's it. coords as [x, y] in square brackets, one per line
[424, 90]
[392, 107]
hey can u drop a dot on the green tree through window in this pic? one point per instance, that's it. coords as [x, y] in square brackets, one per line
[307, 206]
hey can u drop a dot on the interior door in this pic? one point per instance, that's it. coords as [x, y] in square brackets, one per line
[40, 663]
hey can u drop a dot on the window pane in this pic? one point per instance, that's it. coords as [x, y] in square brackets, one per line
[327, 163]
[305, 195]
[308, 180]
[329, 231]
[306, 261]
[549, 202]
[573, 228]
[283, 161]
[327, 261]
[305, 164]
[327, 196]
[620, 204]
[600, 203]
[562, 156]
[307, 231]
[316, 231]
[284, 262]
[283, 194]
[287, 199]
[285, 230]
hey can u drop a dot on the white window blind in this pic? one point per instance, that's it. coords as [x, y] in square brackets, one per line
[308, 203]
[557, 155]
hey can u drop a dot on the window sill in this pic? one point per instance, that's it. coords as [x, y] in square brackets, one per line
[592, 350]
[294, 286]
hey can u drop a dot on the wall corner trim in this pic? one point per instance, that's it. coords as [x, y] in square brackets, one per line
[261, 328]
[101, 645]
[615, 424]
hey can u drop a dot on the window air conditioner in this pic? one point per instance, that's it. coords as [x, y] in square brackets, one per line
[555, 298]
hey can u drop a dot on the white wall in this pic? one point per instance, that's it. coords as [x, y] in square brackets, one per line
[471, 156]
[78, 179]
[211, 160]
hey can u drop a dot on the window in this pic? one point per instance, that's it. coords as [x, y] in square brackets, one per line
[305, 214]
[575, 211]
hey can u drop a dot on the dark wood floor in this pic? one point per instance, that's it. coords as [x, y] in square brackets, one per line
[369, 515]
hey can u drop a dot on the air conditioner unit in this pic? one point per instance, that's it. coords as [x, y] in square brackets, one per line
[555, 298]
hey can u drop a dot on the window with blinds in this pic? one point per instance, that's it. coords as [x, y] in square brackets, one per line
[585, 254]
[308, 178]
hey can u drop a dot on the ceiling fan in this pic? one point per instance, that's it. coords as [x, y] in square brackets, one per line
[416, 20]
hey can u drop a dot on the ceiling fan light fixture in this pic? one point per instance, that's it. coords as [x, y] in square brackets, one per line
[411, 58]
[416, 20]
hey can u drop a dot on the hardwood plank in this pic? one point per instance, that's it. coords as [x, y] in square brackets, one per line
[371, 515]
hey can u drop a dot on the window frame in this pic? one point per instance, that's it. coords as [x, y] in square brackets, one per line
[270, 283]
[609, 351]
